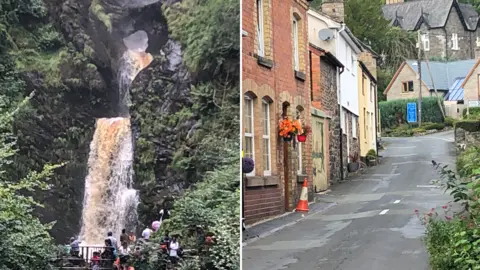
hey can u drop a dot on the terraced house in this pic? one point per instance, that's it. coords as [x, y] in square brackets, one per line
[275, 85]
[448, 29]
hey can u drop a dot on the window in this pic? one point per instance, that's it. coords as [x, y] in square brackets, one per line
[248, 125]
[454, 41]
[426, 42]
[363, 85]
[407, 87]
[354, 126]
[266, 138]
[260, 32]
[372, 87]
[296, 59]
[365, 126]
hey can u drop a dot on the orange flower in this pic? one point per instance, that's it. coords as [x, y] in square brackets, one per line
[298, 127]
[286, 127]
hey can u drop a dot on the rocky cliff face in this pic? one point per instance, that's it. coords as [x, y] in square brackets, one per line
[75, 79]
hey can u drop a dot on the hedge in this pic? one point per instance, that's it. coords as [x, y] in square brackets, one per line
[472, 111]
[468, 125]
[389, 109]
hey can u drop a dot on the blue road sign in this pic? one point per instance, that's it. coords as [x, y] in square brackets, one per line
[412, 112]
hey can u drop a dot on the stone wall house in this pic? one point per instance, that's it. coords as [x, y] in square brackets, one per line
[275, 75]
[325, 70]
[448, 29]
[405, 83]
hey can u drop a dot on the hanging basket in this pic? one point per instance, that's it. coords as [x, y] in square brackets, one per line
[288, 139]
[302, 138]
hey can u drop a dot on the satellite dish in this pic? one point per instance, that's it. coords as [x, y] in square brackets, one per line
[325, 34]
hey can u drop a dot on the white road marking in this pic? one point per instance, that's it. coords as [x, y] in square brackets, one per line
[427, 186]
[406, 155]
[384, 212]
[397, 201]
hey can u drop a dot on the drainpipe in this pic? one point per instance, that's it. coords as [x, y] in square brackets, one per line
[339, 91]
[446, 43]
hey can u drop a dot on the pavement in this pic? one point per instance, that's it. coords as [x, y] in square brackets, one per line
[367, 223]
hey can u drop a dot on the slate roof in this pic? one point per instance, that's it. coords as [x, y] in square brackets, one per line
[408, 15]
[444, 73]
[455, 92]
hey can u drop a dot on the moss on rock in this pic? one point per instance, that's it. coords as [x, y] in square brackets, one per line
[97, 9]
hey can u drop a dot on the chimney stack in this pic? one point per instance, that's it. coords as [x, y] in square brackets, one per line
[389, 2]
[334, 9]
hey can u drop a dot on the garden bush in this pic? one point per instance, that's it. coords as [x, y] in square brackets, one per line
[453, 241]
[430, 126]
[474, 111]
[449, 121]
[389, 109]
[468, 125]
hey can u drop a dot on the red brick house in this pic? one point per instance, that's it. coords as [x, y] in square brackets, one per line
[275, 84]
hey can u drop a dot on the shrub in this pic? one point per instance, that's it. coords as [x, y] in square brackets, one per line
[431, 126]
[449, 121]
[474, 111]
[468, 161]
[418, 130]
[468, 125]
[389, 109]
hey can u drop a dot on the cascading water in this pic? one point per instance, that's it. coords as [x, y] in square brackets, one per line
[110, 202]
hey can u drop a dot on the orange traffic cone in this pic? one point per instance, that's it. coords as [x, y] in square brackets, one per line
[303, 203]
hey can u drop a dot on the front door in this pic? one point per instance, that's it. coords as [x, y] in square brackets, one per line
[320, 182]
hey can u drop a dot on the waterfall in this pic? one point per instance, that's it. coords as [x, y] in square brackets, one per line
[110, 202]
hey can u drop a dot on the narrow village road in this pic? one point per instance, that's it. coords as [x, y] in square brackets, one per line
[373, 225]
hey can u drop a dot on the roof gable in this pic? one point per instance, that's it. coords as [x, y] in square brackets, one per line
[410, 13]
[433, 13]
[444, 73]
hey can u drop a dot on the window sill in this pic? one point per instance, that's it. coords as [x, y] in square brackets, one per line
[262, 61]
[300, 75]
[260, 181]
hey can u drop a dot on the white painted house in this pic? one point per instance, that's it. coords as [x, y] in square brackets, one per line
[337, 39]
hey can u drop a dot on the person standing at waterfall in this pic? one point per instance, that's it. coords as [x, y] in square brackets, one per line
[113, 240]
[123, 237]
[173, 247]
[132, 239]
[74, 247]
[146, 233]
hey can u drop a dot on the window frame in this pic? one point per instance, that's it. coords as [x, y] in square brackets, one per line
[260, 29]
[455, 42]
[252, 134]
[296, 49]
[266, 137]
[365, 125]
[354, 127]
[407, 84]
[426, 42]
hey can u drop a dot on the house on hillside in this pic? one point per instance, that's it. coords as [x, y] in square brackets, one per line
[329, 38]
[275, 85]
[405, 83]
[446, 77]
[367, 97]
[448, 29]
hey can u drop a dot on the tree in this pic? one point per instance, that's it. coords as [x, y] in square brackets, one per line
[25, 242]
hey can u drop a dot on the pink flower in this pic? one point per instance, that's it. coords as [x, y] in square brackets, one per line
[445, 206]
[448, 218]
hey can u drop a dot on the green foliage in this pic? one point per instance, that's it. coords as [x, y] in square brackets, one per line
[26, 242]
[454, 243]
[208, 48]
[468, 125]
[97, 9]
[419, 130]
[213, 206]
[389, 111]
[433, 126]
[472, 112]
[449, 121]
